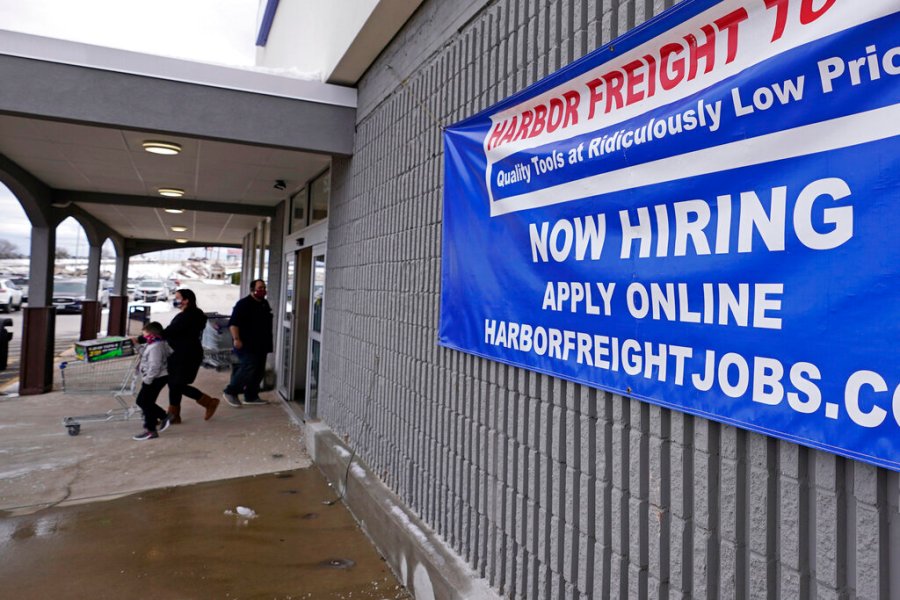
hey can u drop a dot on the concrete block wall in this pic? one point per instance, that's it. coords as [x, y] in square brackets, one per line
[546, 488]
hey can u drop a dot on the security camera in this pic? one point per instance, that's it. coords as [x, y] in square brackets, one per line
[280, 184]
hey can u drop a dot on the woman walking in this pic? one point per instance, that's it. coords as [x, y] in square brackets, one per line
[183, 335]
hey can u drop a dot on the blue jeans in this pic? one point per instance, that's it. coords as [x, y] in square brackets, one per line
[246, 375]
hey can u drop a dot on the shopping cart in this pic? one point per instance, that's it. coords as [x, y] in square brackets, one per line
[118, 376]
[220, 360]
[217, 343]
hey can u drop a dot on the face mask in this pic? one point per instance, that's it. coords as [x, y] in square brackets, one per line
[259, 294]
[176, 303]
[151, 338]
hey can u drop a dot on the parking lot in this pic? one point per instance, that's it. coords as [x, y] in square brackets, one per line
[211, 297]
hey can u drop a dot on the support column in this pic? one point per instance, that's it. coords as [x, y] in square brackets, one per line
[118, 316]
[38, 333]
[276, 260]
[90, 308]
[93, 273]
[39, 317]
[276, 257]
[247, 260]
[120, 279]
[117, 323]
[263, 244]
[91, 317]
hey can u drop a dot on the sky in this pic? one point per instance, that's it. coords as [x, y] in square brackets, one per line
[216, 31]
[212, 31]
[15, 228]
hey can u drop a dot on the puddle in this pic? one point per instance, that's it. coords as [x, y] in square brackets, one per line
[178, 543]
[337, 563]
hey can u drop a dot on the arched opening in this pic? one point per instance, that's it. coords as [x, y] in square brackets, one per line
[15, 228]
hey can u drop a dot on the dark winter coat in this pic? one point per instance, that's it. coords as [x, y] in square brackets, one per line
[253, 319]
[183, 335]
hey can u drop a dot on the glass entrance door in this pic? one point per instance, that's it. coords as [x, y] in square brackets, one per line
[286, 372]
[316, 322]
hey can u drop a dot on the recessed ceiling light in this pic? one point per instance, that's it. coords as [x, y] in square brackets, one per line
[178, 228]
[181, 240]
[175, 211]
[164, 148]
[171, 192]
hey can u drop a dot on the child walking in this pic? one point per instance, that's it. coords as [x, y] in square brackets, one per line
[154, 376]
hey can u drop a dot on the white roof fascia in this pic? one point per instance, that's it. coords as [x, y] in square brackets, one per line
[23, 45]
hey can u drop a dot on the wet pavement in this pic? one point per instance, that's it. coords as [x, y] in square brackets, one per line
[98, 515]
[192, 542]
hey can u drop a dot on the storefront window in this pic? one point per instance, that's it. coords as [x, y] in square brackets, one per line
[299, 205]
[319, 194]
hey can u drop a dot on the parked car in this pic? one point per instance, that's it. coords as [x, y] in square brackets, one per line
[131, 287]
[70, 294]
[10, 296]
[172, 285]
[22, 284]
[151, 290]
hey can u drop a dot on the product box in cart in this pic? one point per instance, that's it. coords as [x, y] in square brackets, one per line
[103, 348]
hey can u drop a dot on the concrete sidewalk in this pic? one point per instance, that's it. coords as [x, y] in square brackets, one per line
[43, 466]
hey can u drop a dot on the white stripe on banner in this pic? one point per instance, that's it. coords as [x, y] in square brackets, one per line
[843, 132]
[755, 49]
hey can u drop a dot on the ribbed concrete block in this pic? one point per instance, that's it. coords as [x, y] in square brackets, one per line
[545, 439]
[587, 444]
[509, 572]
[703, 559]
[536, 475]
[510, 514]
[681, 570]
[543, 535]
[790, 512]
[790, 583]
[758, 583]
[869, 578]
[572, 438]
[571, 497]
[600, 573]
[584, 570]
[825, 593]
[522, 468]
[531, 527]
[520, 525]
[728, 500]
[557, 486]
[727, 571]
[586, 503]
[558, 433]
[637, 581]
[759, 506]
[557, 547]
[569, 553]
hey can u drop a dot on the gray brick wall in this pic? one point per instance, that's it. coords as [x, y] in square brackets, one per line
[546, 488]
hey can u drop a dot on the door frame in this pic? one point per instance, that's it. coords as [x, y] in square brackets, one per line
[311, 401]
[297, 244]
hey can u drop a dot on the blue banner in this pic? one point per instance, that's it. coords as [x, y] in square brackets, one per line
[703, 214]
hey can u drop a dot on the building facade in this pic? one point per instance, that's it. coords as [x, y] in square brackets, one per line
[543, 488]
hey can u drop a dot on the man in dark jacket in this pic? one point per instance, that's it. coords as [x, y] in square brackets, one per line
[251, 330]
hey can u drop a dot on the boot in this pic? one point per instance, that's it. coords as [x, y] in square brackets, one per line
[210, 404]
[174, 414]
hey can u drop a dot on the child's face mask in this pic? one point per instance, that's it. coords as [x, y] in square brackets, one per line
[150, 337]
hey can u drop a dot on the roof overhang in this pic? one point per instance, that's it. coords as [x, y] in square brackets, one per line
[74, 117]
